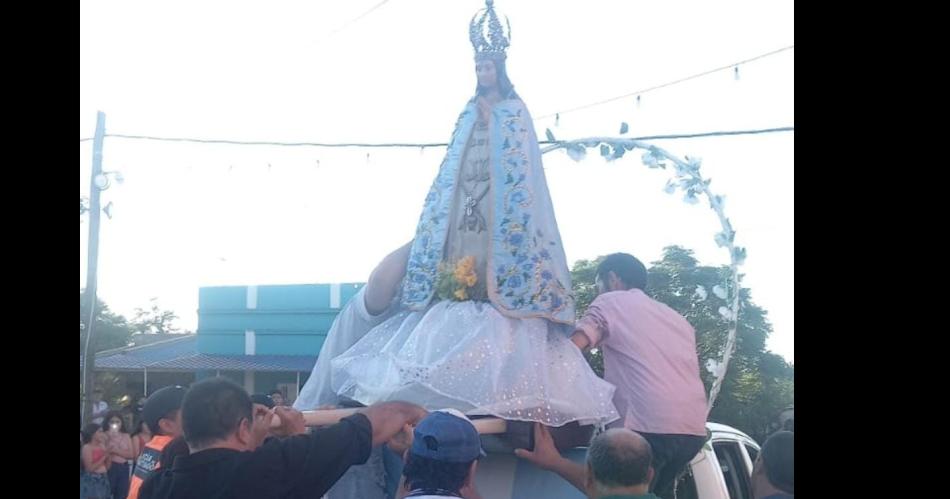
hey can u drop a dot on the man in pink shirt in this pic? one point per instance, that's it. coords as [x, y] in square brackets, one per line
[650, 356]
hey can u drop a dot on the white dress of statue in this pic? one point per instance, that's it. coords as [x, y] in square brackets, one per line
[495, 340]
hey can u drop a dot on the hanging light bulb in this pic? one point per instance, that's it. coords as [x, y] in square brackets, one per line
[638, 102]
[102, 182]
[736, 72]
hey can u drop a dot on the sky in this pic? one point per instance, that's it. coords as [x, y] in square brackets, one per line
[192, 215]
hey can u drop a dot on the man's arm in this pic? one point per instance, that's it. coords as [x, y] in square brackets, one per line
[309, 464]
[593, 328]
[388, 419]
[546, 456]
[384, 281]
[291, 422]
[312, 463]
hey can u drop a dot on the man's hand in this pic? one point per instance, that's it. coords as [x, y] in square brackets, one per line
[580, 339]
[260, 425]
[545, 455]
[291, 422]
[389, 418]
[402, 441]
[384, 281]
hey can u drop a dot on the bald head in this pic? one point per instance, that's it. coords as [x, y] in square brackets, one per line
[620, 458]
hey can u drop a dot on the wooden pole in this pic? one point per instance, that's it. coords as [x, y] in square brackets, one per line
[326, 417]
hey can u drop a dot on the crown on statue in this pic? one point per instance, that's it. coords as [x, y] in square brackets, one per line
[489, 35]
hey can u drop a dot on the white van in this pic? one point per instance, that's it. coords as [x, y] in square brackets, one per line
[721, 470]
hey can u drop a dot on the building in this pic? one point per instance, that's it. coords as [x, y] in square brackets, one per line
[262, 337]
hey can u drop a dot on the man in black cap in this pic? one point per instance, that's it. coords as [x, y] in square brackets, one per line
[773, 476]
[224, 430]
[277, 397]
[162, 414]
[263, 400]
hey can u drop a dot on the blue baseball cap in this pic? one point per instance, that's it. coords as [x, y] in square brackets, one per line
[446, 436]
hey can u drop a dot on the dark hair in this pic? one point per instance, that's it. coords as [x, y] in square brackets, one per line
[137, 426]
[88, 431]
[425, 473]
[114, 414]
[631, 271]
[778, 458]
[619, 464]
[505, 88]
[277, 391]
[175, 448]
[264, 400]
[212, 410]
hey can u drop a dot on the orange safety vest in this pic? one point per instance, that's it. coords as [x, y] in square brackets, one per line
[147, 463]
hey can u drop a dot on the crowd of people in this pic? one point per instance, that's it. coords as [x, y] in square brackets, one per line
[215, 440]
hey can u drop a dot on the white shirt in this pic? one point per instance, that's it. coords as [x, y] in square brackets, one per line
[353, 322]
[100, 406]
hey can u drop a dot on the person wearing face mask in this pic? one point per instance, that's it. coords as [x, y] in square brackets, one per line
[122, 452]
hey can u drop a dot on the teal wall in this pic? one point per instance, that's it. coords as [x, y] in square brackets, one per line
[288, 319]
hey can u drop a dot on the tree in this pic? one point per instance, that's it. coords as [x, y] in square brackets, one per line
[154, 320]
[758, 384]
[112, 330]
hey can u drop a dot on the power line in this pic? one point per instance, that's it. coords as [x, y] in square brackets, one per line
[270, 143]
[578, 108]
[723, 133]
[668, 84]
[357, 18]
[717, 134]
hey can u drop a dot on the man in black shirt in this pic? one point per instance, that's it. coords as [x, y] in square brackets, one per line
[225, 431]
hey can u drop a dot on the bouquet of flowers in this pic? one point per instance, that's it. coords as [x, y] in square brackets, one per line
[456, 282]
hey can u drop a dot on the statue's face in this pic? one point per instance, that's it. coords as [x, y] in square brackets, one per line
[486, 73]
